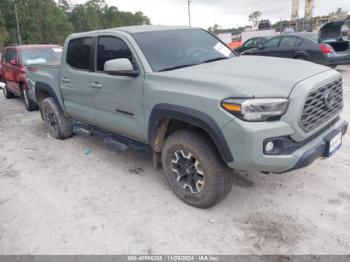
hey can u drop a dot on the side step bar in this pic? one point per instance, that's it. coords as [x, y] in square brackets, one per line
[113, 141]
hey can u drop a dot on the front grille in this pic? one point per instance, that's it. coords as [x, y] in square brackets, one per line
[316, 110]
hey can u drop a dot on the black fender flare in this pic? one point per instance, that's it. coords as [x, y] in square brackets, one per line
[47, 88]
[193, 117]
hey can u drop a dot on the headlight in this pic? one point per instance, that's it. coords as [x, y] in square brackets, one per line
[260, 109]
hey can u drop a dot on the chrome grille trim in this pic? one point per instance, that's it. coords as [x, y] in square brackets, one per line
[315, 111]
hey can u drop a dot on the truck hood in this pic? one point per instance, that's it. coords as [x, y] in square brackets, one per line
[248, 76]
[331, 31]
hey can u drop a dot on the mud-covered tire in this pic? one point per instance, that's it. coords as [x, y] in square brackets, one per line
[59, 126]
[216, 177]
[7, 94]
[29, 104]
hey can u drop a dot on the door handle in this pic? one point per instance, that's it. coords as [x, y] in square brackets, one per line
[65, 80]
[96, 85]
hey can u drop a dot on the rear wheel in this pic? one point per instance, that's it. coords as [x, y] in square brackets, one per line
[59, 126]
[7, 94]
[194, 169]
[28, 102]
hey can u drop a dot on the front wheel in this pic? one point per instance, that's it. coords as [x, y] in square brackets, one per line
[194, 169]
[59, 126]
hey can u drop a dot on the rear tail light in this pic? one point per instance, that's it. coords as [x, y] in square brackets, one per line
[326, 49]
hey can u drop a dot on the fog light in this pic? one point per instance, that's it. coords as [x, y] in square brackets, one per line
[269, 146]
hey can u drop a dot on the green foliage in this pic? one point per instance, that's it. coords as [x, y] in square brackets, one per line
[3, 32]
[95, 14]
[254, 17]
[49, 21]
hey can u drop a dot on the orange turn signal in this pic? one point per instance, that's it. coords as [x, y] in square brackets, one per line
[231, 107]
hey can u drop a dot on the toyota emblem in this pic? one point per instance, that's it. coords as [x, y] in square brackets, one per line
[329, 99]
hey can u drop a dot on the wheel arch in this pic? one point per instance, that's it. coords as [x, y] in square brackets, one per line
[43, 90]
[162, 114]
[301, 54]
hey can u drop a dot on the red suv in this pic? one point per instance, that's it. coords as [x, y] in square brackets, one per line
[14, 62]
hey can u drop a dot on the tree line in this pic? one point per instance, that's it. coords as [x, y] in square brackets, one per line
[48, 21]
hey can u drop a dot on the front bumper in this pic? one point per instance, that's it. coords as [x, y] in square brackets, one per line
[247, 140]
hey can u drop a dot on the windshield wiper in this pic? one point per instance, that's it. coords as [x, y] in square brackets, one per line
[175, 67]
[214, 59]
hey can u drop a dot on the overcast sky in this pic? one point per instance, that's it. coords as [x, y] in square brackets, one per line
[227, 13]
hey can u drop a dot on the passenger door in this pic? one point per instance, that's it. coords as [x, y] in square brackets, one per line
[76, 77]
[118, 99]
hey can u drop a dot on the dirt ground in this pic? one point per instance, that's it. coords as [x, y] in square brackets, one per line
[78, 197]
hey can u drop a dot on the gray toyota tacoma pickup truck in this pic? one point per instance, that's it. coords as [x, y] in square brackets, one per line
[185, 96]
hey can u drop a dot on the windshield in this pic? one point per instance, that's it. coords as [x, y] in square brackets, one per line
[172, 49]
[41, 55]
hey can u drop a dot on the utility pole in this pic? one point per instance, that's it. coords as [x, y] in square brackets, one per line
[189, 11]
[281, 26]
[18, 31]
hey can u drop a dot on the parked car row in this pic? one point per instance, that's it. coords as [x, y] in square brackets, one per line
[14, 65]
[183, 95]
[327, 47]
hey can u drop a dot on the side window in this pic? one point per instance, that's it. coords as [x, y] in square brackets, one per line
[109, 48]
[288, 41]
[298, 42]
[272, 43]
[258, 41]
[249, 43]
[79, 53]
[10, 55]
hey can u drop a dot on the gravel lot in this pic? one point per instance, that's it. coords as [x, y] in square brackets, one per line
[78, 197]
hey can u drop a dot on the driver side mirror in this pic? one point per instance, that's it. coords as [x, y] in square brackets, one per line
[120, 67]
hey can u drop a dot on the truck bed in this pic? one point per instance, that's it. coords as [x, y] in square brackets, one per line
[43, 73]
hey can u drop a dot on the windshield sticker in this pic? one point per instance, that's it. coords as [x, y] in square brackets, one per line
[225, 51]
[35, 61]
[57, 50]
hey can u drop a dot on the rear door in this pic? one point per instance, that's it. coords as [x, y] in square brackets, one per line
[76, 77]
[288, 46]
[270, 48]
[118, 99]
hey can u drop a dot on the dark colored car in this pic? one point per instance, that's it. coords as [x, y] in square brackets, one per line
[14, 63]
[327, 47]
[264, 25]
[252, 43]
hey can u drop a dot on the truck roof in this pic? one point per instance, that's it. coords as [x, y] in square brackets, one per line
[148, 28]
[137, 29]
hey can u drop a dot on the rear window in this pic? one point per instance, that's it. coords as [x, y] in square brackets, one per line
[313, 37]
[79, 53]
